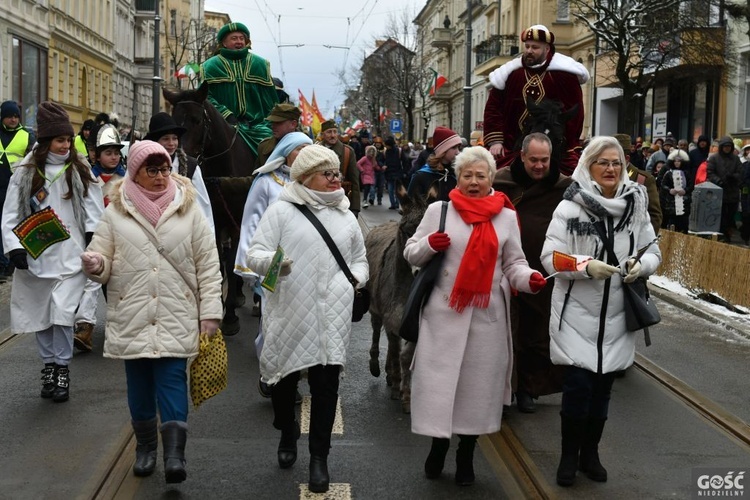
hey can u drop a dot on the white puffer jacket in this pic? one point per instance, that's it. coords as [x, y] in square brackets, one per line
[307, 321]
[151, 311]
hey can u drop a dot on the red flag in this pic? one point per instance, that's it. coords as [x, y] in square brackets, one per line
[316, 109]
[563, 262]
[306, 118]
[438, 81]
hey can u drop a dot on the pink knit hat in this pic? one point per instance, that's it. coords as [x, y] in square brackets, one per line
[141, 150]
[444, 138]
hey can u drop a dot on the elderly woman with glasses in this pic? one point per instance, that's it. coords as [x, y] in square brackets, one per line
[308, 317]
[602, 223]
[462, 364]
[159, 299]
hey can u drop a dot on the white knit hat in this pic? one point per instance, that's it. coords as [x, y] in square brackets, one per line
[314, 158]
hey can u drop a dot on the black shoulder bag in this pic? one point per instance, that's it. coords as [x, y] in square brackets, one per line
[640, 310]
[421, 289]
[362, 295]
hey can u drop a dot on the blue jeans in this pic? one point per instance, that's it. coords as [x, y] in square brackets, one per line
[585, 393]
[392, 192]
[159, 381]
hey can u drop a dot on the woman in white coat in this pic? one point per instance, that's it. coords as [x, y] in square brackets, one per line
[587, 322]
[159, 299]
[462, 362]
[308, 318]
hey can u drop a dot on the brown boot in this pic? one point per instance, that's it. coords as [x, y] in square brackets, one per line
[82, 337]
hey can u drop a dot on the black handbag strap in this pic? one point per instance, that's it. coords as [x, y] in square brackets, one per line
[608, 246]
[443, 211]
[329, 241]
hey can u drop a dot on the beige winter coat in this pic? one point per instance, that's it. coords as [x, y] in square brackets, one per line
[151, 311]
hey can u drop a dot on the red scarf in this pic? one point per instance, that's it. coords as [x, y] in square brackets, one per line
[474, 279]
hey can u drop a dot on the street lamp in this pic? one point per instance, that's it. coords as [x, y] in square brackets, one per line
[156, 78]
[467, 84]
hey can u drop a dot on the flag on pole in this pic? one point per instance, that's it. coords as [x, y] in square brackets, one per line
[436, 82]
[383, 114]
[306, 118]
[190, 70]
[563, 262]
[316, 109]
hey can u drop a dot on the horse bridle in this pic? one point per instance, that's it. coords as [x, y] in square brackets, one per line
[207, 135]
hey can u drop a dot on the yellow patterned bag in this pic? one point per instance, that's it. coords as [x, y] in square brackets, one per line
[208, 372]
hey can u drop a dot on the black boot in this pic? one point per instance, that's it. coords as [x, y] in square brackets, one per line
[287, 452]
[174, 437]
[62, 384]
[48, 380]
[319, 478]
[147, 438]
[572, 435]
[589, 462]
[433, 466]
[465, 460]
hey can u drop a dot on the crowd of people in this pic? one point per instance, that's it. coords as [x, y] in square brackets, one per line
[504, 321]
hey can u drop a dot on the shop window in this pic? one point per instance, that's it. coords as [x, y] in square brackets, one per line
[29, 70]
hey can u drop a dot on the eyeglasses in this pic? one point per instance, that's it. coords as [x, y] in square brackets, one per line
[164, 171]
[331, 175]
[608, 163]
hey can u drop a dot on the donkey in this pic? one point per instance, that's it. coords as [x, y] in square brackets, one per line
[226, 162]
[390, 279]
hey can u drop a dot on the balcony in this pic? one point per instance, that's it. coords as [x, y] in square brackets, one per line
[494, 52]
[443, 93]
[442, 38]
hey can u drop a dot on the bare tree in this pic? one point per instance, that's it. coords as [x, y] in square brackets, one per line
[187, 41]
[641, 39]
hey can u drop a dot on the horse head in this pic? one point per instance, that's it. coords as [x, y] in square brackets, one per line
[548, 118]
[189, 110]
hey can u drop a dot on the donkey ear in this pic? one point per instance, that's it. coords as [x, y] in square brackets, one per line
[402, 195]
[431, 196]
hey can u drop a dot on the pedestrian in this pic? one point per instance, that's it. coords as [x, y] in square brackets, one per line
[108, 170]
[725, 170]
[660, 155]
[240, 85]
[83, 135]
[745, 203]
[534, 184]
[48, 287]
[379, 168]
[541, 73]
[587, 324]
[393, 170]
[157, 310]
[284, 119]
[438, 172]
[699, 154]
[15, 143]
[643, 177]
[676, 189]
[307, 320]
[366, 166]
[461, 372]
[163, 129]
[347, 160]
[269, 182]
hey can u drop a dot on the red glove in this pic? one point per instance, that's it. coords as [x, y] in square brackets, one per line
[537, 282]
[439, 241]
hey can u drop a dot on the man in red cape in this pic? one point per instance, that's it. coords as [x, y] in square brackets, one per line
[540, 73]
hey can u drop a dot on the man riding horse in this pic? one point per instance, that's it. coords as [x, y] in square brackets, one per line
[240, 85]
[540, 73]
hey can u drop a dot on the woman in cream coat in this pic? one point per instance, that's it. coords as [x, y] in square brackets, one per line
[153, 316]
[463, 360]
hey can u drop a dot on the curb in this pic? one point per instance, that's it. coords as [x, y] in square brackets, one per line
[694, 307]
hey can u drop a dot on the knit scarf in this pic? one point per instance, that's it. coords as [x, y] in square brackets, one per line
[476, 271]
[150, 204]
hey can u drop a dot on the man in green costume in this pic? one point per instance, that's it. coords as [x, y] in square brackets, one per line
[240, 85]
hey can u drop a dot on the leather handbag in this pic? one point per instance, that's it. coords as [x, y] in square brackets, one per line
[361, 295]
[640, 310]
[421, 288]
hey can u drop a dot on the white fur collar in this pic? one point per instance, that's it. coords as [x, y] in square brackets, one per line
[559, 62]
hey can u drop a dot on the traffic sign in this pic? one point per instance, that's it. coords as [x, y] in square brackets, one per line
[395, 125]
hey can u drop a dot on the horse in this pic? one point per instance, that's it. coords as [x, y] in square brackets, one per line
[548, 118]
[226, 162]
[390, 279]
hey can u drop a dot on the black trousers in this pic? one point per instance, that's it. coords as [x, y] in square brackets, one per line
[324, 388]
[585, 393]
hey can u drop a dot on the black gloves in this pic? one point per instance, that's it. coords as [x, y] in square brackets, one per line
[18, 258]
[88, 237]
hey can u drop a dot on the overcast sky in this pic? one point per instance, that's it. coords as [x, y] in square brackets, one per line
[313, 66]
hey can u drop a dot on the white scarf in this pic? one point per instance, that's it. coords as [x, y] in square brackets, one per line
[294, 192]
